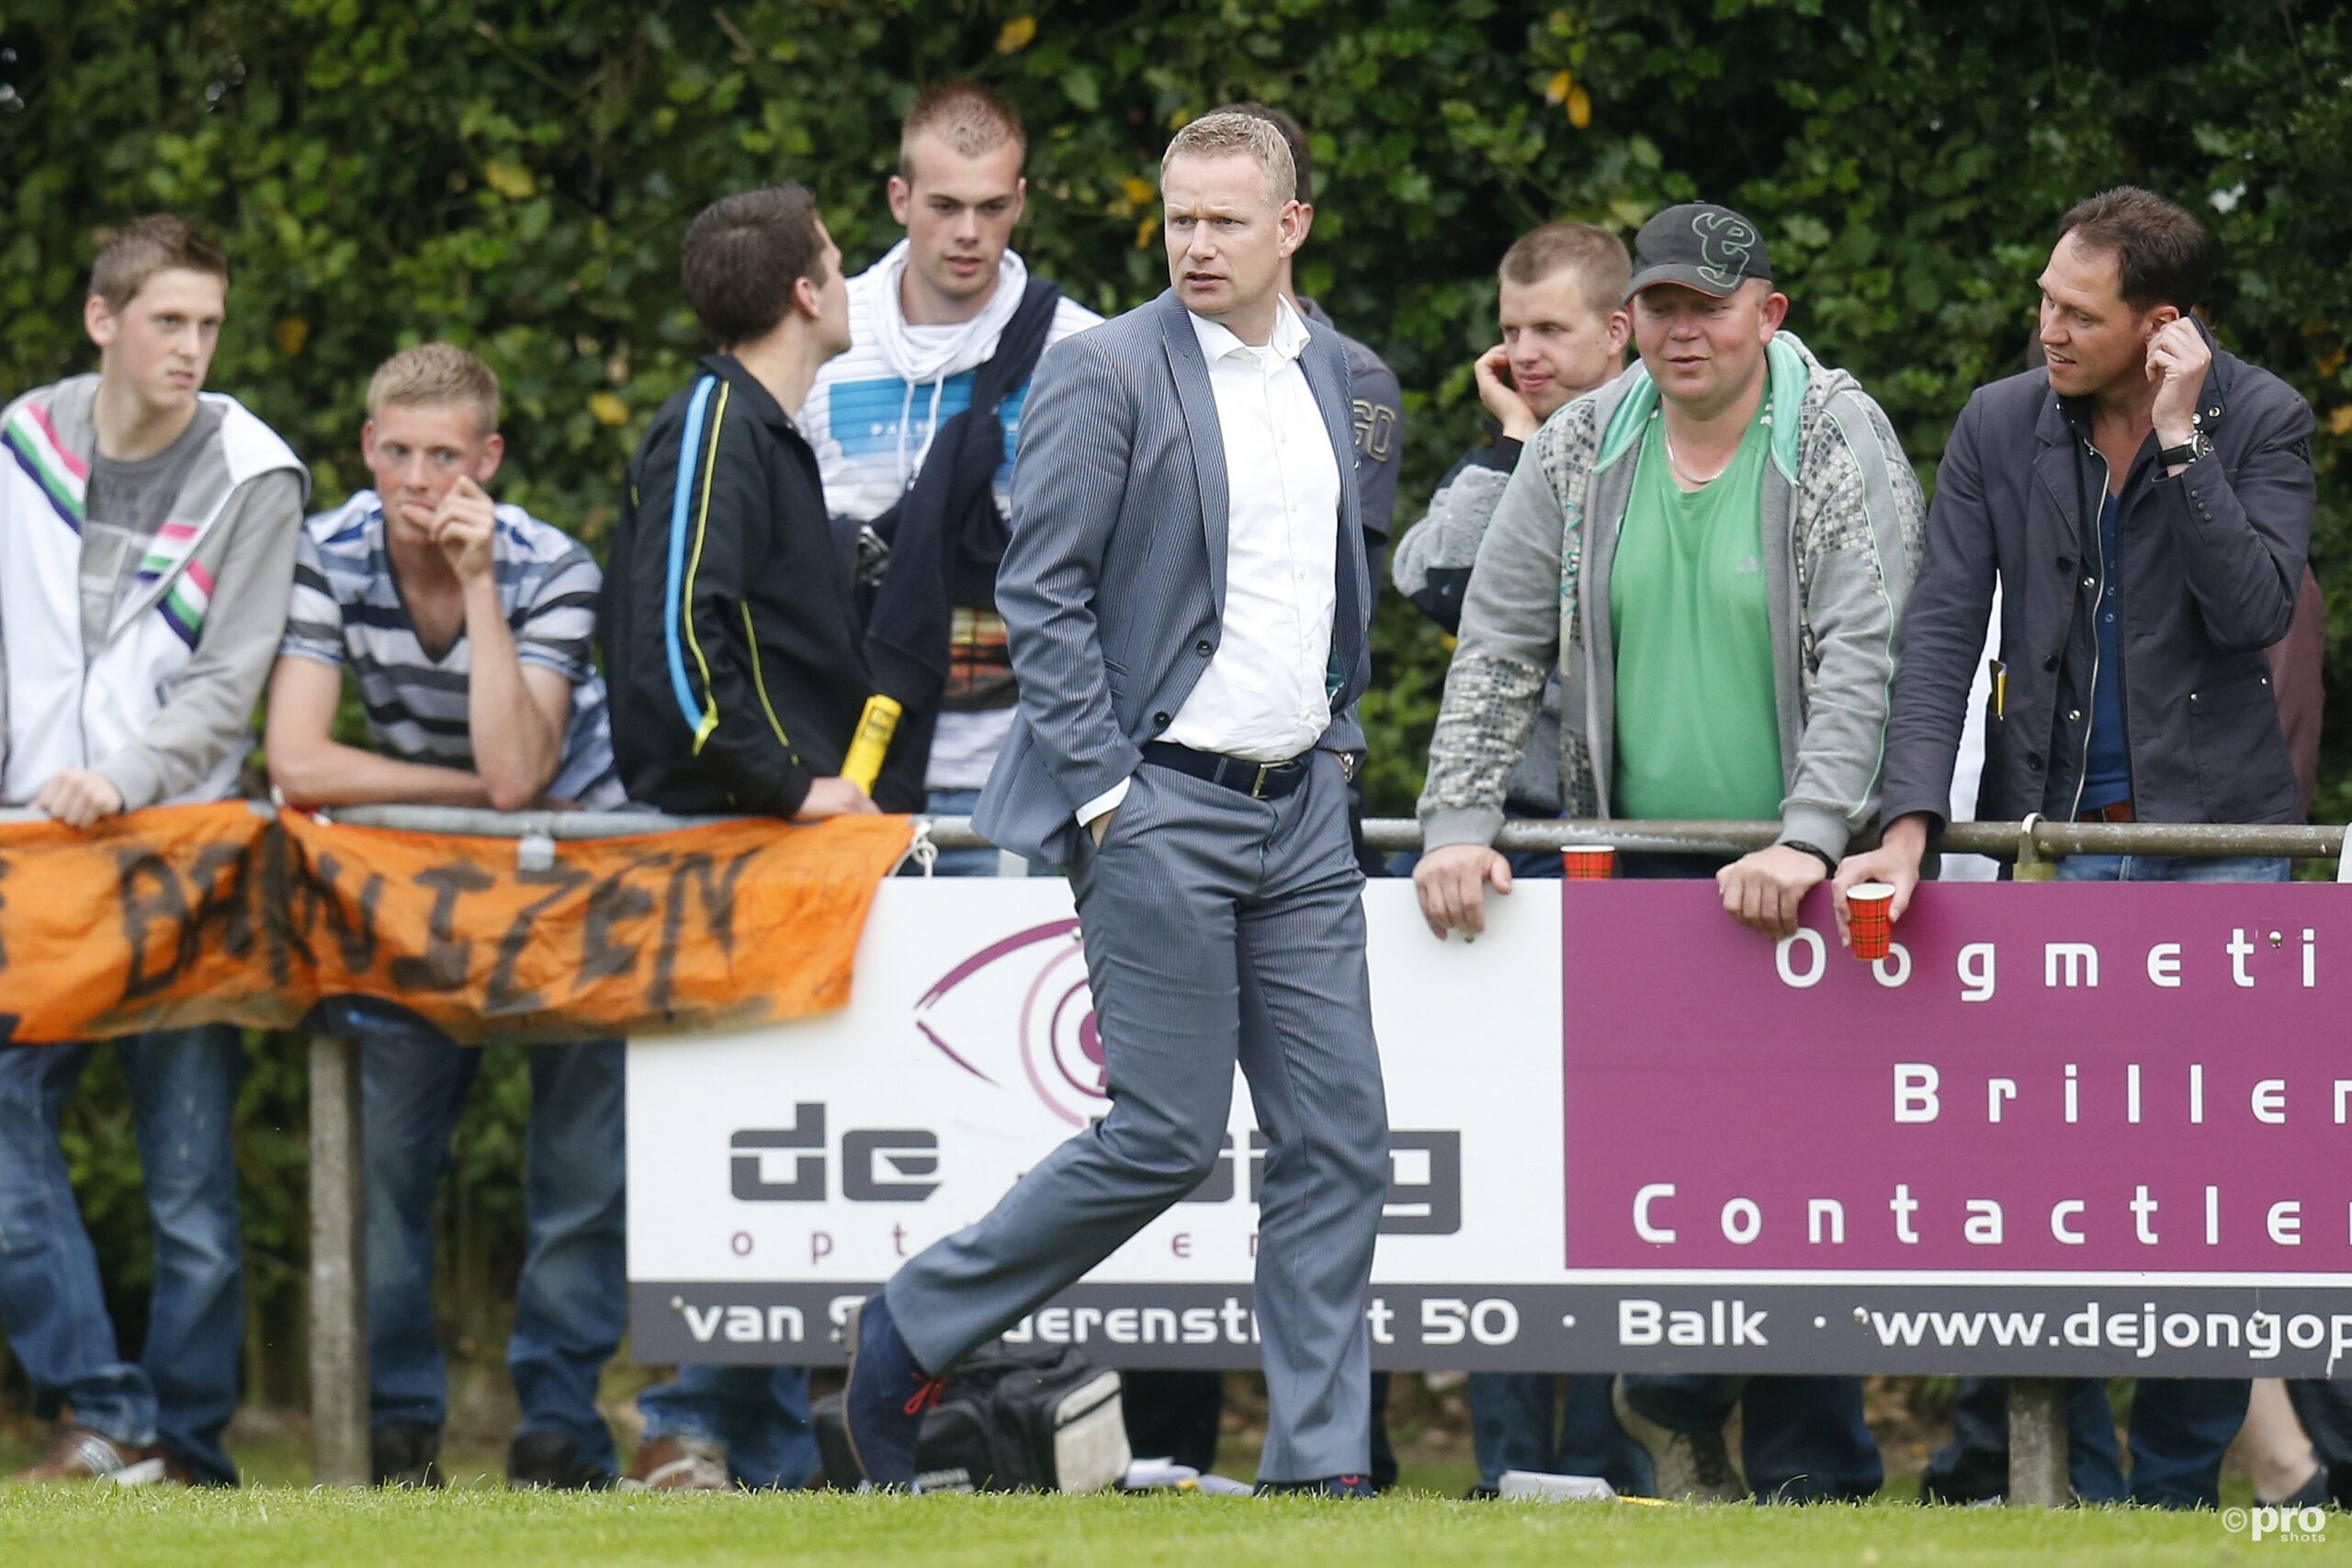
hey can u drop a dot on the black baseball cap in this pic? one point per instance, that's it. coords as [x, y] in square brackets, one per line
[1700, 246]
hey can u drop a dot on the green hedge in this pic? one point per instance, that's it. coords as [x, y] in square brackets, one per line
[515, 175]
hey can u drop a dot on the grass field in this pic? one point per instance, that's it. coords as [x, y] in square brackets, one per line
[278, 1519]
[267, 1525]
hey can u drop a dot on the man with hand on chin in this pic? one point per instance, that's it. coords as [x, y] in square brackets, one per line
[468, 626]
[1712, 551]
[1561, 304]
[2143, 502]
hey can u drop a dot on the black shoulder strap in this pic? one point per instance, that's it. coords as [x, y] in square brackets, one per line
[1018, 346]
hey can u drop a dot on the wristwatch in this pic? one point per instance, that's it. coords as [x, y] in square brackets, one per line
[2198, 444]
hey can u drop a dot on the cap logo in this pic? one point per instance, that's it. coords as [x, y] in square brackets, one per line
[1726, 241]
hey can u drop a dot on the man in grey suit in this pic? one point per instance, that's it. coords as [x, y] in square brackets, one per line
[1187, 605]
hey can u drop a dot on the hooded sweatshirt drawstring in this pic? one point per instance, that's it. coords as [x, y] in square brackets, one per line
[946, 354]
[930, 431]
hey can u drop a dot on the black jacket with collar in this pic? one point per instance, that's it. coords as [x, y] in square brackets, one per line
[2209, 564]
[731, 648]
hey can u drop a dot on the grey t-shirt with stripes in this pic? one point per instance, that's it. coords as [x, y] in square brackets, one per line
[346, 611]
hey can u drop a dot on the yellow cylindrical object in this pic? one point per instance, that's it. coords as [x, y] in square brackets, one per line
[872, 742]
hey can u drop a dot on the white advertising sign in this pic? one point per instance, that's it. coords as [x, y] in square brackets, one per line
[775, 1176]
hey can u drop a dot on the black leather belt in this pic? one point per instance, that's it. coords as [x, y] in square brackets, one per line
[1259, 781]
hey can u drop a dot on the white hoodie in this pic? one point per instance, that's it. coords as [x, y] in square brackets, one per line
[871, 417]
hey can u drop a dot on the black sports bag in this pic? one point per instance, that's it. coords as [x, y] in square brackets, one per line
[1012, 1418]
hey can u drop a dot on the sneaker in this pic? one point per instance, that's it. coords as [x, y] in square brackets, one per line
[76, 1454]
[678, 1464]
[1692, 1467]
[404, 1453]
[884, 1397]
[550, 1460]
[1321, 1487]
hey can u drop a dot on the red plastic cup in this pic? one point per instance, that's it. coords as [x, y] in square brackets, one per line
[1588, 862]
[1868, 903]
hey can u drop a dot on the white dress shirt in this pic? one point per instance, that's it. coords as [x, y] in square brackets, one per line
[1263, 697]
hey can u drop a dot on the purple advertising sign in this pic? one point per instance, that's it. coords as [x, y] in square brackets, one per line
[2146, 1086]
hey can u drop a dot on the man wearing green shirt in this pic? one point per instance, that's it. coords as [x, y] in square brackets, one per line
[1712, 551]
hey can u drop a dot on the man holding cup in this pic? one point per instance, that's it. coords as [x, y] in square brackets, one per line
[1713, 552]
[2169, 482]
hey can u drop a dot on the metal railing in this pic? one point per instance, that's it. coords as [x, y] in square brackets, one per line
[338, 1265]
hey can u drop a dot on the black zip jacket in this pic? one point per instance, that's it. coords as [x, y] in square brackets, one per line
[730, 646]
[2210, 562]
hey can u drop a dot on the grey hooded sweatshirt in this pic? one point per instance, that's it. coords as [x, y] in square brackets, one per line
[1842, 526]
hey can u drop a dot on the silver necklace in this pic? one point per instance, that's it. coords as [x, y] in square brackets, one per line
[1685, 475]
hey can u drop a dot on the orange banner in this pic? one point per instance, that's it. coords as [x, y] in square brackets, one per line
[199, 914]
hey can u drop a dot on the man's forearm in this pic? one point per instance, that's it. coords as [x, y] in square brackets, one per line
[333, 775]
[516, 752]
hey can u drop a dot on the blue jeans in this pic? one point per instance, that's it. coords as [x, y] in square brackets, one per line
[1802, 1440]
[2179, 1427]
[1974, 1467]
[1513, 1414]
[183, 1086]
[759, 1415]
[1512, 1418]
[983, 861]
[2171, 868]
[570, 1302]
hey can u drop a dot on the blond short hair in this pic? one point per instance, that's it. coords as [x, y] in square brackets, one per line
[1596, 257]
[1229, 135]
[436, 375]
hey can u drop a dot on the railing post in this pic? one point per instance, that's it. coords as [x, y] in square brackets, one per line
[338, 1268]
[2038, 1444]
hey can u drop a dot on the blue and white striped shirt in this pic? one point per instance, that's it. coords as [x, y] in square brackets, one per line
[347, 611]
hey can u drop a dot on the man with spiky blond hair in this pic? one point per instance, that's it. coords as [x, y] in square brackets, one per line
[1188, 601]
[914, 429]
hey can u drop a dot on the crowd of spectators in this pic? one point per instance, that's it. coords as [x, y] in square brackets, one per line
[1704, 586]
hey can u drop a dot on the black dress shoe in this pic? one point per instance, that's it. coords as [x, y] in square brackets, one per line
[551, 1461]
[404, 1454]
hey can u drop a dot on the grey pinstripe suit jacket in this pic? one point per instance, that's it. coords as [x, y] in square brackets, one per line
[1113, 588]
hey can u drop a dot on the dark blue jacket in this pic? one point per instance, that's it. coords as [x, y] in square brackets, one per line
[2210, 562]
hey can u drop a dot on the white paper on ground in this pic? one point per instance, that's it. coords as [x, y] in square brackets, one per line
[1534, 1486]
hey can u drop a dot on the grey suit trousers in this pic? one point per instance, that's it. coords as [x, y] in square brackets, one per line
[1217, 929]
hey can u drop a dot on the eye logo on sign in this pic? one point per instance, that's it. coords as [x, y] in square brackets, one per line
[1032, 984]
